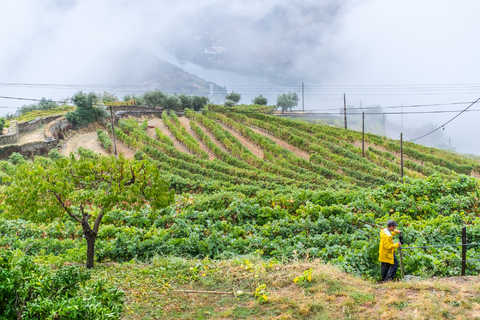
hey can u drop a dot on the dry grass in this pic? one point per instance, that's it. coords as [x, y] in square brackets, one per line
[331, 294]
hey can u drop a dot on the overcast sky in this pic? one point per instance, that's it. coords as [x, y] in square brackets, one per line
[377, 51]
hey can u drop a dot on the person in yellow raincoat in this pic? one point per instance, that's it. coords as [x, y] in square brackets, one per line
[386, 251]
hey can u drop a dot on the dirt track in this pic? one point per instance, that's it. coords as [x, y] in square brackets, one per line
[298, 152]
[158, 123]
[256, 150]
[185, 122]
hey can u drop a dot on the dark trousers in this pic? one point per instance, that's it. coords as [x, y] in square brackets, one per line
[389, 270]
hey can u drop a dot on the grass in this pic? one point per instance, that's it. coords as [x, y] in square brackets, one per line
[332, 294]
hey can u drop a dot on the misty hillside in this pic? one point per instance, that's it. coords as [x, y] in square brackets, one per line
[226, 150]
[149, 72]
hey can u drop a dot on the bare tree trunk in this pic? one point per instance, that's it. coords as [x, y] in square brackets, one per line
[90, 250]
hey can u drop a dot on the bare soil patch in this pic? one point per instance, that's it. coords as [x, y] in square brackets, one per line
[298, 152]
[87, 140]
[158, 123]
[256, 150]
[32, 136]
[185, 122]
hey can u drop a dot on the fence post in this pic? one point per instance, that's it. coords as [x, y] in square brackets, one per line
[464, 249]
[402, 268]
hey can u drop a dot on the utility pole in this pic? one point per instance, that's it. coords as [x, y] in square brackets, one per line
[113, 132]
[401, 155]
[363, 134]
[303, 96]
[345, 110]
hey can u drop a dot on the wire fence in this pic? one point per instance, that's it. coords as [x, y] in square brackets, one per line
[463, 253]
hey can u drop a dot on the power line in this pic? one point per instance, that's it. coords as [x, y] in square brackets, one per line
[31, 99]
[447, 122]
[393, 106]
[372, 113]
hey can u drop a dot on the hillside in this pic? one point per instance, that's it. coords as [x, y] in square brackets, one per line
[260, 201]
[282, 152]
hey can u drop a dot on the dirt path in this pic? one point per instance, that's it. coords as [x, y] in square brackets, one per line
[158, 123]
[298, 152]
[212, 137]
[256, 150]
[32, 136]
[185, 122]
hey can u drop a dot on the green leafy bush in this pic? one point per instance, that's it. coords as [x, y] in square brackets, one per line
[86, 111]
[30, 291]
[104, 140]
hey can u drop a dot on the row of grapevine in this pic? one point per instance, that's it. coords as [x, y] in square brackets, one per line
[181, 134]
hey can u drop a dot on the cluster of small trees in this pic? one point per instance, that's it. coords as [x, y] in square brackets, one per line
[175, 102]
[285, 101]
[86, 111]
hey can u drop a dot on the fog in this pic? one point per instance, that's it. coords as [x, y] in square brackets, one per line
[378, 52]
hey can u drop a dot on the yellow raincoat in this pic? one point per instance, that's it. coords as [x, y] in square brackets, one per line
[387, 247]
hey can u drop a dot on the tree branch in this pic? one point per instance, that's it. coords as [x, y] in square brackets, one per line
[97, 222]
[132, 181]
[67, 209]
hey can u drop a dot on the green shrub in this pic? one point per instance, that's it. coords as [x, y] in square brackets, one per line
[86, 111]
[104, 140]
[30, 291]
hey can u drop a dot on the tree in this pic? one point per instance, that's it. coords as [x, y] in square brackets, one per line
[85, 189]
[186, 101]
[198, 102]
[260, 100]
[287, 101]
[109, 97]
[86, 111]
[154, 98]
[172, 102]
[2, 125]
[233, 97]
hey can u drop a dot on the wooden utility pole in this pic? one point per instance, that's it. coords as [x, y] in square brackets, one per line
[363, 134]
[303, 96]
[464, 249]
[345, 110]
[113, 132]
[401, 155]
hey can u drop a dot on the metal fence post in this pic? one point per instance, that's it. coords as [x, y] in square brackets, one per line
[464, 249]
[402, 268]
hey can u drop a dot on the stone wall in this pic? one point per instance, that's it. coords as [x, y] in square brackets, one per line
[12, 136]
[57, 129]
[35, 123]
[28, 149]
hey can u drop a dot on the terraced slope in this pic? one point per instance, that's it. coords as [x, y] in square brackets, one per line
[249, 152]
